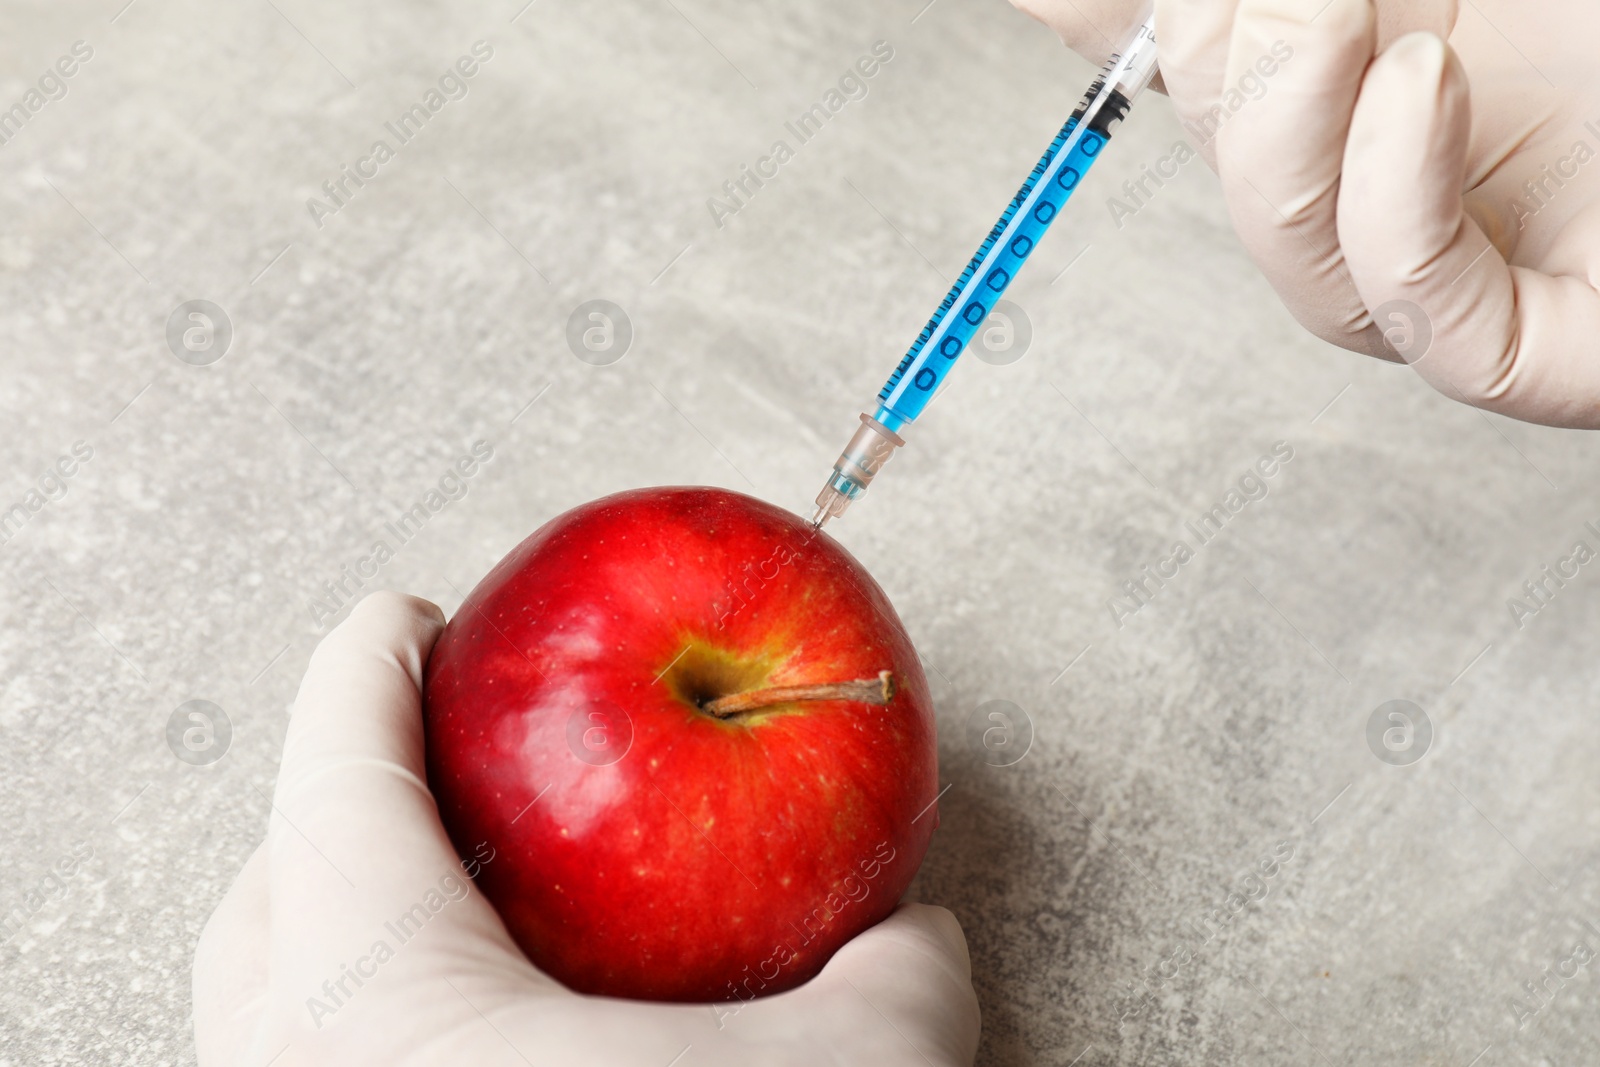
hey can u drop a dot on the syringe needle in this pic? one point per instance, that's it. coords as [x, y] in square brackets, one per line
[994, 266]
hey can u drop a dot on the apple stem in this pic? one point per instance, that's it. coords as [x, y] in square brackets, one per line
[879, 691]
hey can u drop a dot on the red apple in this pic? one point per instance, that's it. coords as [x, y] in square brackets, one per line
[666, 711]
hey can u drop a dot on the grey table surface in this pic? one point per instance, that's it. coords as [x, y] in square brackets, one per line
[1105, 879]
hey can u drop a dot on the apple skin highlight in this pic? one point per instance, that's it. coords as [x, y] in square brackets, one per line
[646, 848]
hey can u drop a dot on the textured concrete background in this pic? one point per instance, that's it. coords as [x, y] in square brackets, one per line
[1222, 727]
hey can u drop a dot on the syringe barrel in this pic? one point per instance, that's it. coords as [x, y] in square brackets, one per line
[1011, 241]
[1137, 61]
[1016, 234]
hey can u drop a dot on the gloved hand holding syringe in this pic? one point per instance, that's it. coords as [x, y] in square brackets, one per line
[1414, 187]
[1009, 244]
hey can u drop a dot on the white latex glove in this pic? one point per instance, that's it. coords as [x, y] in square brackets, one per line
[354, 841]
[1366, 177]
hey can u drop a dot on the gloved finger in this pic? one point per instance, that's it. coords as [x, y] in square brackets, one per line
[906, 986]
[1505, 338]
[229, 981]
[1294, 72]
[1192, 40]
[1197, 38]
[359, 856]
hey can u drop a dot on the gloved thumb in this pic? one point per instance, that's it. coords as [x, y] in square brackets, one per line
[355, 835]
[907, 984]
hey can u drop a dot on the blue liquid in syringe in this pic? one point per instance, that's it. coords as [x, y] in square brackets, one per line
[1013, 238]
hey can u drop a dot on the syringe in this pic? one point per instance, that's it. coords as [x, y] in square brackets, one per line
[1010, 242]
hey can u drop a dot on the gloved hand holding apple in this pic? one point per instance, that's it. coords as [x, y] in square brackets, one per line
[682, 749]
